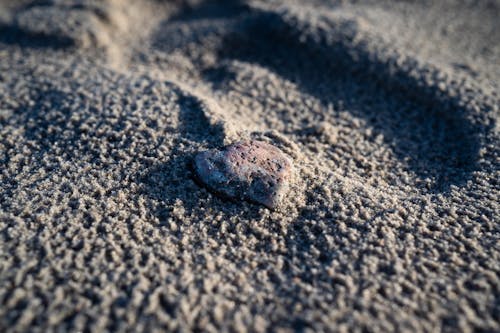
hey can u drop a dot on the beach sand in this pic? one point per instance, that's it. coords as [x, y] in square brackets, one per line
[389, 111]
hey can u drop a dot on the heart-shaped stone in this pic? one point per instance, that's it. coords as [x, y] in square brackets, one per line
[254, 170]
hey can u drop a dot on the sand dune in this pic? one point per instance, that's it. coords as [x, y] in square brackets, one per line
[389, 111]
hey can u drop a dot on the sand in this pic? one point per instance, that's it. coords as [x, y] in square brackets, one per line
[389, 111]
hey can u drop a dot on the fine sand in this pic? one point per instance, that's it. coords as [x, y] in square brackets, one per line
[389, 111]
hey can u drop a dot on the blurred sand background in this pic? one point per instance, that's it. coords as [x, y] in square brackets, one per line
[389, 110]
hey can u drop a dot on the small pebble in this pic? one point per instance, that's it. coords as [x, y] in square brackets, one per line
[254, 170]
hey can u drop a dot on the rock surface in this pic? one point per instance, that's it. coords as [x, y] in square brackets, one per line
[255, 171]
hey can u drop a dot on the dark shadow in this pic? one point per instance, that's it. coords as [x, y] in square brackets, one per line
[167, 182]
[194, 124]
[218, 76]
[13, 35]
[211, 9]
[432, 135]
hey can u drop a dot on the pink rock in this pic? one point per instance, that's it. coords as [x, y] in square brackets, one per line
[255, 171]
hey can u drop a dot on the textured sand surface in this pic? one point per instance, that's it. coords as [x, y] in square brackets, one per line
[389, 110]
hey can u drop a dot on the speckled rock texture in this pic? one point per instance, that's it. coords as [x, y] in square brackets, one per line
[255, 171]
[388, 109]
